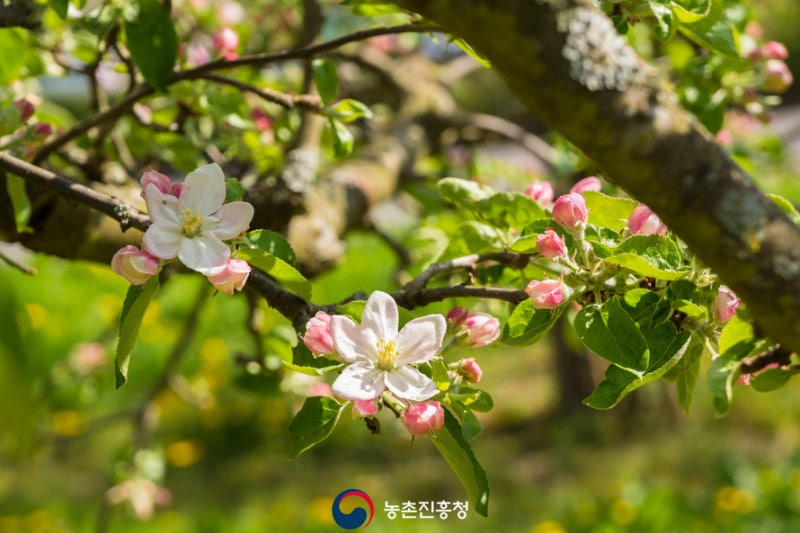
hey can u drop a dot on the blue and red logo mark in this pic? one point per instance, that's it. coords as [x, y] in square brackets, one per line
[358, 517]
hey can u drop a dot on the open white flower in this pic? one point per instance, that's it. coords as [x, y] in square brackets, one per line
[193, 226]
[380, 357]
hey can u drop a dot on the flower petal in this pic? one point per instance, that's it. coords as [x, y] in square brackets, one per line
[203, 190]
[230, 220]
[359, 381]
[410, 384]
[162, 240]
[205, 254]
[380, 316]
[420, 339]
[162, 208]
[350, 342]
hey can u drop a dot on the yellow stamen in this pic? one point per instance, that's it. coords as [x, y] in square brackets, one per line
[192, 222]
[387, 353]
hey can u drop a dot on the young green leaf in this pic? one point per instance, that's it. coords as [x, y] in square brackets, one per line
[690, 11]
[284, 273]
[612, 334]
[136, 301]
[665, 20]
[61, 7]
[653, 256]
[714, 32]
[459, 456]
[341, 137]
[313, 423]
[527, 325]
[19, 202]
[462, 193]
[272, 243]
[326, 79]
[771, 379]
[348, 110]
[607, 211]
[152, 41]
[467, 49]
[686, 372]
[233, 190]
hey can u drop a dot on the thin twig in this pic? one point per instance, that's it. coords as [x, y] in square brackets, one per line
[287, 101]
[775, 354]
[14, 264]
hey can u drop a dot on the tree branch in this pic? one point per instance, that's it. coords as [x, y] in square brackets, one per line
[566, 62]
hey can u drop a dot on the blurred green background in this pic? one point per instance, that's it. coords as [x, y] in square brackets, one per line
[215, 437]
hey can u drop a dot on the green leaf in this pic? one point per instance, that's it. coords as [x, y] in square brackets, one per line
[371, 8]
[471, 426]
[685, 373]
[234, 191]
[474, 399]
[19, 202]
[612, 334]
[467, 49]
[272, 243]
[714, 32]
[619, 382]
[136, 301]
[721, 375]
[525, 243]
[472, 237]
[313, 423]
[787, 207]
[771, 379]
[348, 110]
[665, 20]
[690, 11]
[61, 7]
[440, 375]
[14, 46]
[284, 273]
[653, 256]
[342, 138]
[459, 456]
[736, 332]
[507, 210]
[302, 357]
[527, 325]
[460, 192]
[152, 41]
[326, 79]
[607, 211]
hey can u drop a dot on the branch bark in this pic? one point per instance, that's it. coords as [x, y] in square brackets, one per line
[565, 62]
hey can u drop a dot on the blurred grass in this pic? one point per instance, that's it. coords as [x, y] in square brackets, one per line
[221, 433]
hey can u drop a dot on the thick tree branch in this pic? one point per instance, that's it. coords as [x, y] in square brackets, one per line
[565, 61]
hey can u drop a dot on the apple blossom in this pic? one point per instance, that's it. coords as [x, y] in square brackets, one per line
[380, 357]
[777, 76]
[551, 244]
[481, 329]
[541, 191]
[318, 337]
[226, 41]
[774, 50]
[725, 304]
[547, 294]
[570, 211]
[423, 417]
[134, 265]
[233, 277]
[644, 222]
[457, 316]
[142, 494]
[590, 183]
[470, 370]
[194, 226]
[162, 183]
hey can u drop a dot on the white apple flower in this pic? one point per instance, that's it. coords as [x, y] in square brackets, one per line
[192, 227]
[380, 357]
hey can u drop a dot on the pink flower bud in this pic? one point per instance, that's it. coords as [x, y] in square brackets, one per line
[225, 40]
[457, 316]
[570, 211]
[774, 50]
[197, 54]
[43, 129]
[547, 294]
[541, 191]
[318, 336]
[724, 137]
[590, 183]
[261, 120]
[777, 76]
[551, 244]
[26, 109]
[233, 277]
[365, 408]
[134, 265]
[644, 222]
[482, 329]
[423, 417]
[726, 304]
[470, 371]
[161, 181]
